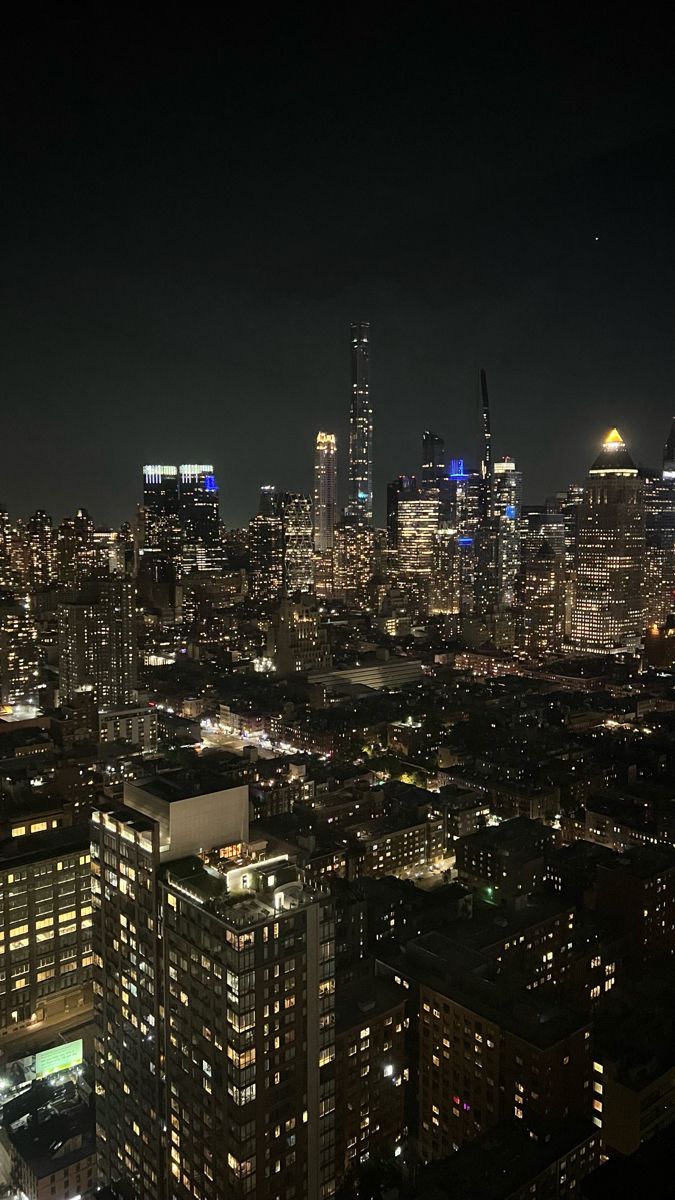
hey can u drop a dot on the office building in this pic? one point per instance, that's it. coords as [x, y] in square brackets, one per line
[609, 611]
[417, 524]
[161, 514]
[46, 920]
[216, 1042]
[97, 642]
[360, 499]
[199, 515]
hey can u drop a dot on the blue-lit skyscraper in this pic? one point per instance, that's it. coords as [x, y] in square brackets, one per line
[199, 517]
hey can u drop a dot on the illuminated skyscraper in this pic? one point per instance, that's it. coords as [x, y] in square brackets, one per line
[353, 562]
[446, 582]
[298, 542]
[266, 548]
[609, 610]
[660, 536]
[417, 530]
[507, 488]
[161, 503]
[417, 524]
[325, 510]
[199, 518]
[403, 487]
[360, 501]
[325, 491]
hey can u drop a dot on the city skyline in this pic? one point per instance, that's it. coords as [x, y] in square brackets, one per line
[337, 604]
[178, 280]
[412, 464]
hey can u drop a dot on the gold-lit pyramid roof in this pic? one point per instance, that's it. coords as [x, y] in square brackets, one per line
[614, 458]
[613, 438]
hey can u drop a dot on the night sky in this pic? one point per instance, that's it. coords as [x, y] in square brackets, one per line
[191, 217]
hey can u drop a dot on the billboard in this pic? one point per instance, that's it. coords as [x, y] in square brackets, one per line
[59, 1058]
[63, 1057]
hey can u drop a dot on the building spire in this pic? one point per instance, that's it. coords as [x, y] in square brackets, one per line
[669, 454]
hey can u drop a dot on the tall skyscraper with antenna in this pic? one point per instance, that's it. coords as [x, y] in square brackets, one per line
[360, 499]
[325, 510]
[486, 466]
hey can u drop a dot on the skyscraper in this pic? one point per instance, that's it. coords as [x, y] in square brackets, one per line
[486, 428]
[75, 557]
[161, 502]
[39, 539]
[325, 510]
[360, 500]
[215, 1041]
[433, 458]
[417, 529]
[266, 549]
[507, 489]
[669, 454]
[298, 542]
[541, 601]
[403, 487]
[608, 611]
[199, 518]
[659, 492]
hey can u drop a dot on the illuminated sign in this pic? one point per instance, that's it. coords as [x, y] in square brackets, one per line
[58, 1058]
[24, 1071]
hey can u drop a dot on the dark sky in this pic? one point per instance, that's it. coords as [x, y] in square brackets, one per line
[192, 215]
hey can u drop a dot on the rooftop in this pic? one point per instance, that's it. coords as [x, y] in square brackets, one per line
[34, 847]
[51, 1128]
[464, 976]
[241, 896]
[363, 1000]
[502, 1161]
